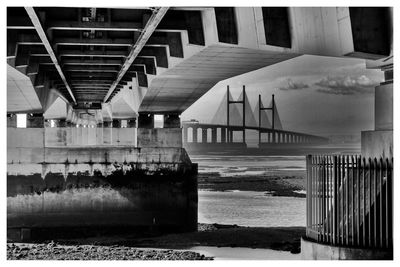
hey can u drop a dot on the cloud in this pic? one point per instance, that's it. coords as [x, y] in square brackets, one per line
[291, 85]
[346, 85]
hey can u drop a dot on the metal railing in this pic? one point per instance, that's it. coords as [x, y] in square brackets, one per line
[349, 201]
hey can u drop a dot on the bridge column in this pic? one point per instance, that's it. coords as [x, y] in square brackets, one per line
[214, 135]
[11, 120]
[185, 134]
[99, 133]
[85, 135]
[194, 133]
[172, 121]
[204, 135]
[379, 142]
[107, 132]
[223, 135]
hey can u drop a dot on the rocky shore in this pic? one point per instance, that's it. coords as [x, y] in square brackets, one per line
[54, 251]
[163, 247]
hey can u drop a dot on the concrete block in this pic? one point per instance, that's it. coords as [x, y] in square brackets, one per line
[377, 144]
[25, 137]
[159, 137]
[384, 107]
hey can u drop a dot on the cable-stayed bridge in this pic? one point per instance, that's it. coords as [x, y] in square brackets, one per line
[234, 116]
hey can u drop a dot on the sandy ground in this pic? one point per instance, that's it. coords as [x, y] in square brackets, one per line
[162, 247]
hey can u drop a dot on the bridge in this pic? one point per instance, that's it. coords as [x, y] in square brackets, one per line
[217, 135]
[84, 85]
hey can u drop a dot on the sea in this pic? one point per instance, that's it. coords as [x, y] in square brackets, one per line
[249, 208]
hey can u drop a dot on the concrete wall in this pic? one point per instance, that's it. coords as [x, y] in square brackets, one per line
[100, 187]
[72, 136]
[96, 187]
[384, 107]
[159, 137]
[377, 144]
[317, 251]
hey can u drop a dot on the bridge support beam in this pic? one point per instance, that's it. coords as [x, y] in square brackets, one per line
[107, 132]
[194, 132]
[379, 142]
[223, 135]
[204, 135]
[214, 135]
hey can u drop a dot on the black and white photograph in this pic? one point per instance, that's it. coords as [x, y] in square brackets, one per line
[198, 131]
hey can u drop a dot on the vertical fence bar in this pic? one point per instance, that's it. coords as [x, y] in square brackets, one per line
[347, 200]
[330, 209]
[358, 174]
[387, 203]
[335, 205]
[390, 203]
[375, 201]
[364, 168]
[313, 199]
[353, 207]
[342, 198]
[370, 202]
[381, 171]
[324, 229]
[321, 200]
[307, 193]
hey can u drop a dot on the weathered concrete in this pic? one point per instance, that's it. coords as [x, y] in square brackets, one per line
[124, 136]
[100, 187]
[159, 137]
[317, 251]
[384, 107]
[97, 187]
[377, 144]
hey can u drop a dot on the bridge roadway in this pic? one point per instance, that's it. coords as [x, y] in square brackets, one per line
[273, 135]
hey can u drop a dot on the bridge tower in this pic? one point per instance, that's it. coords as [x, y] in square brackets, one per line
[243, 102]
[260, 108]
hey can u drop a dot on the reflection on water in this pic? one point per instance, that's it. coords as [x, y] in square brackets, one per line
[248, 208]
[225, 253]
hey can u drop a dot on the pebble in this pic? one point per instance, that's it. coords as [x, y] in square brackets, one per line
[53, 251]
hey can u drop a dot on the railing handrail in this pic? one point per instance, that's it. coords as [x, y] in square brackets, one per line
[349, 200]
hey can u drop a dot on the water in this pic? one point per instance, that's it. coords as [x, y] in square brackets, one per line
[248, 208]
[244, 165]
[225, 253]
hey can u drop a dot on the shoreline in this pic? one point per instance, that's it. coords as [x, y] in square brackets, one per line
[274, 185]
[163, 247]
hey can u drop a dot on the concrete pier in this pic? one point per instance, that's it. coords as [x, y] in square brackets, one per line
[53, 189]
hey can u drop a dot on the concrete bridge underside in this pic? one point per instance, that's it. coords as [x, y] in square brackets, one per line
[91, 79]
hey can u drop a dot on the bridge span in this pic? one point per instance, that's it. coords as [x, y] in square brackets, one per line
[217, 135]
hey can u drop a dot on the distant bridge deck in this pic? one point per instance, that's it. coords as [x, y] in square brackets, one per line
[273, 135]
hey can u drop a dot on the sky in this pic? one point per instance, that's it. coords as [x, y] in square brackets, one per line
[313, 94]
